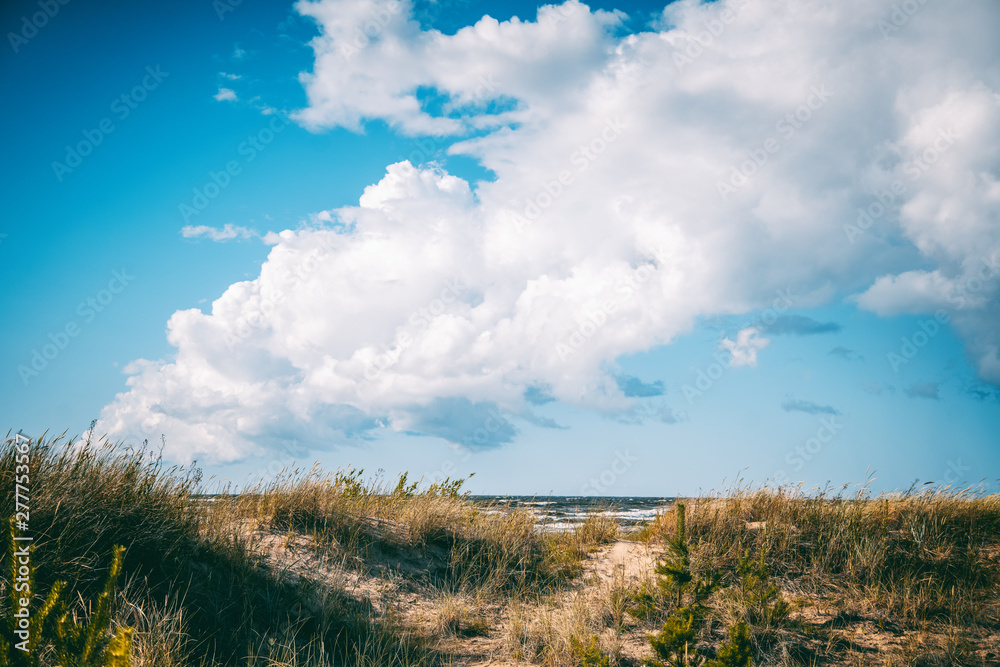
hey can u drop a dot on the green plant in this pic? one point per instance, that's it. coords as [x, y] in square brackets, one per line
[404, 490]
[755, 594]
[349, 483]
[689, 590]
[23, 653]
[449, 488]
[736, 651]
[646, 603]
[86, 645]
[676, 567]
[589, 655]
[76, 645]
[677, 577]
[673, 646]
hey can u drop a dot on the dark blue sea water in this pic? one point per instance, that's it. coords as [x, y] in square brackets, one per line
[565, 512]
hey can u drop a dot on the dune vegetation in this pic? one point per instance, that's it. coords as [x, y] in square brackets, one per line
[313, 568]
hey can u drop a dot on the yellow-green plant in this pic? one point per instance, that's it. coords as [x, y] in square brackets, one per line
[677, 578]
[736, 651]
[673, 645]
[449, 488]
[86, 645]
[590, 654]
[404, 490]
[20, 584]
[755, 594]
[349, 483]
[75, 644]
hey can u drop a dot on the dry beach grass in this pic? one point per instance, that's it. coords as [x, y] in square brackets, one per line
[314, 569]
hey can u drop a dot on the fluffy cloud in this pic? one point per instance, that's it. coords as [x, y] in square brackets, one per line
[374, 61]
[744, 349]
[642, 180]
[227, 233]
[225, 94]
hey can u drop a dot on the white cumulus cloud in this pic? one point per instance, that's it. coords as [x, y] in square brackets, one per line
[225, 94]
[744, 349]
[228, 232]
[642, 181]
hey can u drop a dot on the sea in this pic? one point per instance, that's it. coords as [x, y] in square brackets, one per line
[560, 513]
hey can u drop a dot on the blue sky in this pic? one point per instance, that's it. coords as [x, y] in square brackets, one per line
[642, 330]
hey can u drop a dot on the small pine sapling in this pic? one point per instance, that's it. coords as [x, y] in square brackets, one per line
[678, 579]
[676, 567]
[736, 651]
[20, 588]
[759, 596]
[673, 646]
[589, 655]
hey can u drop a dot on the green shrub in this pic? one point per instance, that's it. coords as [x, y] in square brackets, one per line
[673, 646]
[756, 597]
[589, 655]
[25, 652]
[76, 645]
[85, 645]
[646, 603]
[677, 578]
[736, 651]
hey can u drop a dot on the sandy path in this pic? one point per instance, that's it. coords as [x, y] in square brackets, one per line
[633, 561]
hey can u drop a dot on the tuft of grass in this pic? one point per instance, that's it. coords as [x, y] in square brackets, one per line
[456, 617]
